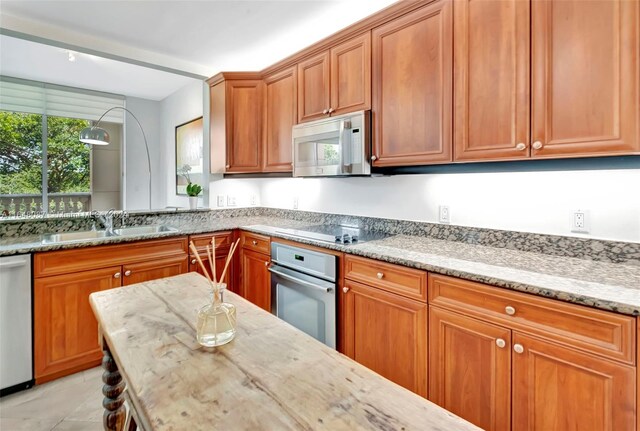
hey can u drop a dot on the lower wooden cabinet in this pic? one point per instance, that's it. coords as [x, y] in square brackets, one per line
[223, 242]
[556, 388]
[65, 330]
[386, 333]
[470, 368]
[256, 279]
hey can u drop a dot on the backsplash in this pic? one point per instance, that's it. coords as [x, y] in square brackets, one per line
[581, 248]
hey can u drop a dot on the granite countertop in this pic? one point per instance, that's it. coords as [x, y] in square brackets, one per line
[608, 286]
[270, 376]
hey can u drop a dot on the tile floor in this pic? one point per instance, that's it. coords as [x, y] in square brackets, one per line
[73, 403]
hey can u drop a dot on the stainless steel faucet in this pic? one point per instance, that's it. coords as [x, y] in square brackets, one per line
[106, 219]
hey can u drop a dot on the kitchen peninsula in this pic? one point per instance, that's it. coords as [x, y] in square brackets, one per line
[271, 376]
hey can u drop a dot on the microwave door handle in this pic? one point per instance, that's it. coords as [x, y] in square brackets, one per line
[345, 144]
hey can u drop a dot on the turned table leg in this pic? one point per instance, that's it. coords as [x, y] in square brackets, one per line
[115, 414]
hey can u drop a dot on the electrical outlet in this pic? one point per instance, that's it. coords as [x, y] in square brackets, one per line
[295, 203]
[254, 200]
[231, 201]
[220, 201]
[580, 221]
[444, 215]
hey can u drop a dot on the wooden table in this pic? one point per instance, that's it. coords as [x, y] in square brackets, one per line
[270, 377]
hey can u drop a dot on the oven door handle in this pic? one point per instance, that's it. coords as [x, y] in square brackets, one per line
[297, 280]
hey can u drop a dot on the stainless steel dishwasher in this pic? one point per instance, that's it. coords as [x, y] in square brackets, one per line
[16, 363]
[303, 290]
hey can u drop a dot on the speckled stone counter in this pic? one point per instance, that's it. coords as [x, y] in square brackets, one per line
[601, 274]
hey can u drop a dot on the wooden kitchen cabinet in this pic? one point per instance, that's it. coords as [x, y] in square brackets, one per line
[556, 388]
[337, 81]
[470, 368]
[256, 279]
[280, 115]
[387, 333]
[412, 88]
[491, 79]
[584, 78]
[223, 244]
[65, 330]
[236, 122]
[571, 367]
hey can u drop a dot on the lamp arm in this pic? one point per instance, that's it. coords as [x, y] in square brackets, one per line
[146, 145]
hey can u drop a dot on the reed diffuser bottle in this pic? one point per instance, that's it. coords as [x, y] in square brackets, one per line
[216, 324]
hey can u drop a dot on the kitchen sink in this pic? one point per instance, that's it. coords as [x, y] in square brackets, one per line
[144, 230]
[51, 238]
[74, 236]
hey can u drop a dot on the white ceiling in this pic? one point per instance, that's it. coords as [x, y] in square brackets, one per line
[200, 37]
[30, 60]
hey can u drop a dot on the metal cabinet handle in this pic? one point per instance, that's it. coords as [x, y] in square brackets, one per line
[266, 263]
[509, 310]
[254, 242]
[521, 146]
[127, 273]
[374, 158]
[227, 166]
[345, 289]
[116, 275]
[537, 145]
[193, 261]
[518, 348]
[501, 343]
[380, 275]
[331, 110]
[325, 111]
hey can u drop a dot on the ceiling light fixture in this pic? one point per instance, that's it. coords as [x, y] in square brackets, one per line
[72, 56]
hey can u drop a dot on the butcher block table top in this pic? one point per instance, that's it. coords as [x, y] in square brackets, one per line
[270, 377]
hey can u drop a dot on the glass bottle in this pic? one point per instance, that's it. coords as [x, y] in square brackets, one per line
[217, 320]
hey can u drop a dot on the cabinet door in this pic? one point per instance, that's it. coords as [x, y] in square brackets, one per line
[256, 279]
[221, 259]
[585, 77]
[556, 388]
[154, 269]
[244, 125]
[65, 329]
[412, 88]
[491, 79]
[280, 114]
[470, 368]
[388, 334]
[351, 75]
[313, 88]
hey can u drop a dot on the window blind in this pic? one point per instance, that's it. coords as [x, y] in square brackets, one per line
[53, 100]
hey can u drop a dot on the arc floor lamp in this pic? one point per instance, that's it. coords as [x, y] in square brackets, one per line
[95, 135]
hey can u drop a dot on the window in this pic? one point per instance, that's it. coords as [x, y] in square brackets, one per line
[43, 165]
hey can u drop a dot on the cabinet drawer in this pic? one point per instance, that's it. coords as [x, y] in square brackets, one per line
[223, 240]
[408, 282]
[255, 242]
[599, 332]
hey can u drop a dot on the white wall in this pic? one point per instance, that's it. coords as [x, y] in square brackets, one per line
[135, 172]
[540, 202]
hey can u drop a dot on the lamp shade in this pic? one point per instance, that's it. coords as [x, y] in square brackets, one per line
[94, 136]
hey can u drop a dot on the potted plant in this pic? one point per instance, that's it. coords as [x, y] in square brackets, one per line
[193, 189]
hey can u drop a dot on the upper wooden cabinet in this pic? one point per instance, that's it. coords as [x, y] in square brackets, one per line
[336, 81]
[412, 88]
[280, 114]
[491, 79]
[585, 86]
[236, 125]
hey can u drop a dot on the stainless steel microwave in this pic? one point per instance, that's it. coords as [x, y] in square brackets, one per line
[335, 146]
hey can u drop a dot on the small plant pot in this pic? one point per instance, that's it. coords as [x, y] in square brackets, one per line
[193, 202]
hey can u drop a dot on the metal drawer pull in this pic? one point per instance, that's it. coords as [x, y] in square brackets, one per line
[518, 348]
[254, 242]
[537, 145]
[127, 273]
[331, 110]
[380, 275]
[325, 111]
[374, 158]
[521, 146]
[509, 310]
[500, 343]
[193, 261]
[266, 263]
[116, 275]
[345, 289]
